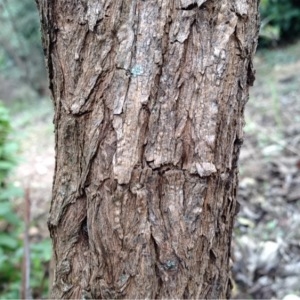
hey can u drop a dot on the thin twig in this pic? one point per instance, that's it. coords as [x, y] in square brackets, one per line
[26, 292]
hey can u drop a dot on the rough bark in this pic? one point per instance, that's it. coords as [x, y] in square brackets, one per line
[149, 99]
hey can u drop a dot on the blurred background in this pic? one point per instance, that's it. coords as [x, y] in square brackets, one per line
[266, 244]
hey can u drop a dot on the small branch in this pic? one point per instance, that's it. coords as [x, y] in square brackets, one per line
[26, 292]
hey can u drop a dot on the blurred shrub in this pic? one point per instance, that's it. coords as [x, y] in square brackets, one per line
[12, 227]
[21, 55]
[10, 244]
[280, 21]
[7, 147]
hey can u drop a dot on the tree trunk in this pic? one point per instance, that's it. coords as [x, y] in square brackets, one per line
[149, 99]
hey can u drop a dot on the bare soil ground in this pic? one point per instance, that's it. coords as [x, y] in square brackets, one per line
[266, 245]
[33, 126]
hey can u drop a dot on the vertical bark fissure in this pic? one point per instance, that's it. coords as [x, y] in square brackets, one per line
[149, 99]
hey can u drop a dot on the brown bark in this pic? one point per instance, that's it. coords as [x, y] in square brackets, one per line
[149, 99]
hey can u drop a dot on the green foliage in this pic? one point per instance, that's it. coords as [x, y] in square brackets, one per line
[40, 256]
[12, 228]
[280, 21]
[10, 244]
[7, 147]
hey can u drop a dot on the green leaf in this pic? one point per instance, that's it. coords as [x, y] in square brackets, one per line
[10, 192]
[5, 208]
[12, 218]
[6, 240]
[42, 250]
[6, 165]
